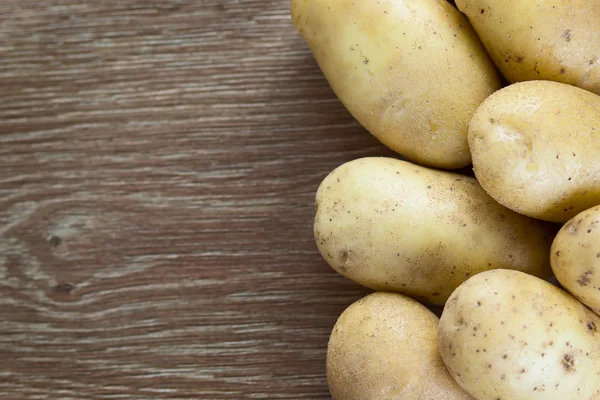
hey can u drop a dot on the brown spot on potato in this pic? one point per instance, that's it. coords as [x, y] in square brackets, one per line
[344, 256]
[567, 35]
[583, 280]
[571, 227]
[568, 363]
[592, 326]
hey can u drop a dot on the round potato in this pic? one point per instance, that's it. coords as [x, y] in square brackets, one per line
[410, 71]
[575, 257]
[556, 40]
[391, 225]
[508, 335]
[535, 149]
[384, 346]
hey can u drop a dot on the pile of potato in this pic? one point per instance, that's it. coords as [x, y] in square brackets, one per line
[422, 78]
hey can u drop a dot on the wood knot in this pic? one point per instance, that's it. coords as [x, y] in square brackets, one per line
[54, 240]
[64, 288]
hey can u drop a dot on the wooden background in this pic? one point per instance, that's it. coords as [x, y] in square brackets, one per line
[158, 164]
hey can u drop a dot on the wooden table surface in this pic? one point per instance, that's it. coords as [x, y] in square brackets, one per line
[158, 164]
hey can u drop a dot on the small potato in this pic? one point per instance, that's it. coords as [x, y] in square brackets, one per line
[575, 257]
[391, 225]
[535, 148]
[412, 72]
[508, 335]
[384, 347]
[557, 40]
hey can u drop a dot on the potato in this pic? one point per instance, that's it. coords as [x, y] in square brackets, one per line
[575, 257]
[411, 72]
[394, 226]
[384, 346]
[535, 149]
[508, 335]
[556, 40]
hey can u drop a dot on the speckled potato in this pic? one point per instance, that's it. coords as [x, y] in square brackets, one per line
[384, 347]
[410, 71]
[575, 257]
[511, 336]
[556, 40]
[536, 148]
[391, 225]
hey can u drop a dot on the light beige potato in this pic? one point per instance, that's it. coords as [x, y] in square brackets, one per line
[391, 225]
[557, 40]
[412, 72]
[535, 148]
[508, 335]
[575, 257]
[384, 347]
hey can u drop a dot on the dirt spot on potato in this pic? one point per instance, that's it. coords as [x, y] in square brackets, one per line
[567, 35]
[592, 326]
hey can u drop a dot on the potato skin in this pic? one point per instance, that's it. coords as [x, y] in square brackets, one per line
[575, 257]
[508, 335]
[535, 149]
[391, 225]
[412, 72]
[557, 40]
[384, 347]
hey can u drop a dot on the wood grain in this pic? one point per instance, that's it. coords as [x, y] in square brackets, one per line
[158, 163]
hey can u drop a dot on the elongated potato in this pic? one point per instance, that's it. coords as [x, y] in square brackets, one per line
[384, 346]
[508, 335]
[391, 225]
[556, 40]
[535, 149]
[410, 71]
[575, 257]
